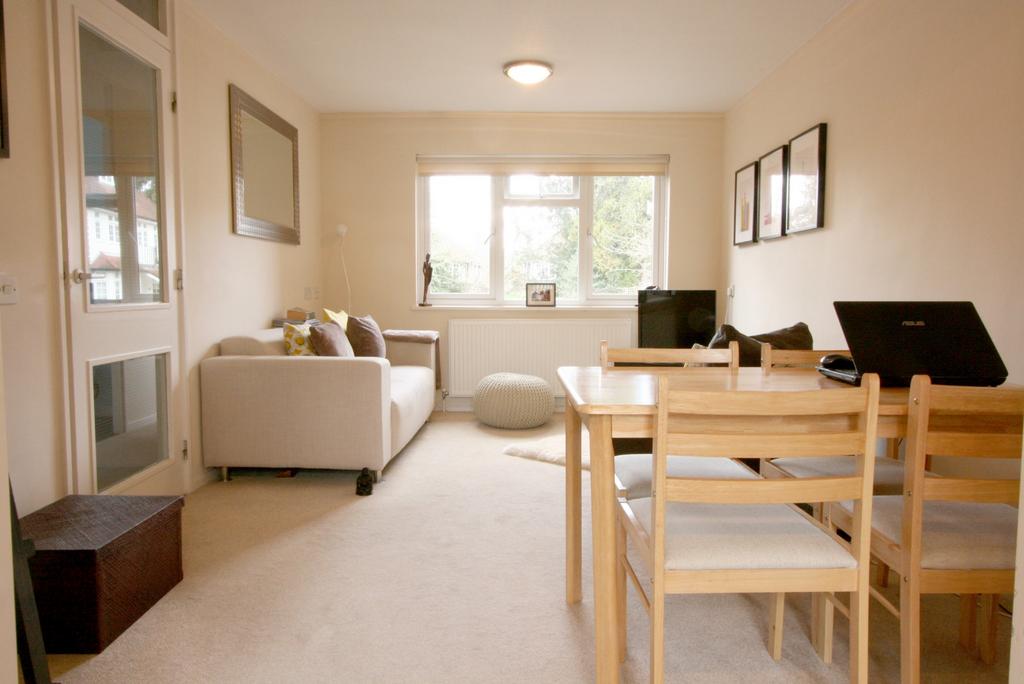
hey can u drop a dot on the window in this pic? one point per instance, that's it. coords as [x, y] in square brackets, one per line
[597, 236]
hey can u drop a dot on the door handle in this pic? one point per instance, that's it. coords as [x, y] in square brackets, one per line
[78, 277]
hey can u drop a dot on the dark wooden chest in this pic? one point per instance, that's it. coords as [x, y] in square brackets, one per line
[100, 563]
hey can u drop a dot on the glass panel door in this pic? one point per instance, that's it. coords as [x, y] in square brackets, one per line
[126, 395]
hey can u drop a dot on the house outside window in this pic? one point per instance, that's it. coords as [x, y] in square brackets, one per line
[596, 228]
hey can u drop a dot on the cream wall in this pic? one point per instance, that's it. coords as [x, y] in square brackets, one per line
[369, 184]
[234, 284]
[924, 104]
[28, 250]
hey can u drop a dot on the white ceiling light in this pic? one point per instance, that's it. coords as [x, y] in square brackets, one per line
[527, 72]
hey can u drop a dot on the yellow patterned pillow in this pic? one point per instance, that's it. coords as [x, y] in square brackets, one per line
[339, 317]
[296, 340]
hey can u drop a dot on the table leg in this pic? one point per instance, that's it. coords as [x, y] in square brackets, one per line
[573, 507]
[603, 503]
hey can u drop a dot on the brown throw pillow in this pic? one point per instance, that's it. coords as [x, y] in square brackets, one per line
[365, 336]
[329, 340]
[796, 336]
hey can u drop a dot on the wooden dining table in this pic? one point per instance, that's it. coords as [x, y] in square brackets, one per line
[621, 402]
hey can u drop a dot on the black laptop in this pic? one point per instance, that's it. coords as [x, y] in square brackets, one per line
[898, 340]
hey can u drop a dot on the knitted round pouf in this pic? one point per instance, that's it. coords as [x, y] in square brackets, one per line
[511, 400]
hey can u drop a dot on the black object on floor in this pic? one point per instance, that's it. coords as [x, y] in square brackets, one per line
[364, 483]
[31, 651]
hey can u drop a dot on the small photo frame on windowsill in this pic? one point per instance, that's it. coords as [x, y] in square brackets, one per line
[540, 294]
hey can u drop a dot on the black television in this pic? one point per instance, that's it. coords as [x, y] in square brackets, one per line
[675, 319]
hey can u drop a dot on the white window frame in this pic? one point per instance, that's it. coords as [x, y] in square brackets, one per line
[495, 297]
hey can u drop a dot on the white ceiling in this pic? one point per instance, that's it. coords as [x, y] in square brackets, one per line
[446, 55]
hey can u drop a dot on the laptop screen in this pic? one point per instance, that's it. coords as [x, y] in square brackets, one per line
[898, 340]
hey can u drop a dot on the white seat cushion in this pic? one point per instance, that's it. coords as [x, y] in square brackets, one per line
[634, 471]
[956, 535]
[888, 472]
[741, 537]
[412, 400]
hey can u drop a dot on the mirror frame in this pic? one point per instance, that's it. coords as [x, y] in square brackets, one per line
[239, 101]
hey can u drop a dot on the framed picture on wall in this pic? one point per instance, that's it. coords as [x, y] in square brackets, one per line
[5, 142]
[744, 216]
[806, 189]
[771, 194]
[540, 294]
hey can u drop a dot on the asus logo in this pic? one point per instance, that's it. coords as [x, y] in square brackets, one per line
[913, 324]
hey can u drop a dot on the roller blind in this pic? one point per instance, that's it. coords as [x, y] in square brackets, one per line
[575, 165]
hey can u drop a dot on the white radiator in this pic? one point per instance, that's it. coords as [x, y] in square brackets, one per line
[479, 347]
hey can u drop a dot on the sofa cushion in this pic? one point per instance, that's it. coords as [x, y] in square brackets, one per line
[339, 317]
[412, 400]
[797, 336]
[365, 336]
[296, 339]
[329, 340]
[268, 342]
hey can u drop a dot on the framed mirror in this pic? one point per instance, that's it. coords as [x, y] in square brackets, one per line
[264, 170]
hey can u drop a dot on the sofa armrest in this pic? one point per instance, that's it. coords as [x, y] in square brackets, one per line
[412, 354]
[287, 411]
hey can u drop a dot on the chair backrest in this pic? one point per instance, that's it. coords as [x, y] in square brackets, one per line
[679, 357]
[958, 422]
[762, 424]
[794, 358]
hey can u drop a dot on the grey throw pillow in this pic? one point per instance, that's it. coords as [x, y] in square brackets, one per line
[329, 339]
[797, 336]
[365, 336]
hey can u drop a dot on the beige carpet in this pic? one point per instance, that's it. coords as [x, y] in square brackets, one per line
[453, 571]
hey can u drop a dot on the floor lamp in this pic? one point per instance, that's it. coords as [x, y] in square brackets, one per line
[342, 230]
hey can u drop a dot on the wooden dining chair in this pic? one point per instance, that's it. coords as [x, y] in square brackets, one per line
[952, 534]
[888, 477]
[633, 471]
[888, 470]
[634, 356]
[701, 535]
[794, 358]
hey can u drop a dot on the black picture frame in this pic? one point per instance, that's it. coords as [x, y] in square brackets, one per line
[5, 135]
[541, 294]
[771, 204]
[744, 209]
[805, 185]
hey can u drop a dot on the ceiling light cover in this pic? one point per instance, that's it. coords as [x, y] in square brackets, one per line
[528, 72]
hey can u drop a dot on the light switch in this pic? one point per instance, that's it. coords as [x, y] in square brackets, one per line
[8, 289]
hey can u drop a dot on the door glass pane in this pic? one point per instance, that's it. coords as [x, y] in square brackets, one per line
[460, 231]
[150, 11]
[124, 224]
[623, 235]
[542, 245]
[130, 415]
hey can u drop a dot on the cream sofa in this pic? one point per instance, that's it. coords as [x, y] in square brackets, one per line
[264, 409]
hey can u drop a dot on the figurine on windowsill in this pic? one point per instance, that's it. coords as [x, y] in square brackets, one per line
[364, 483]
[428, 274]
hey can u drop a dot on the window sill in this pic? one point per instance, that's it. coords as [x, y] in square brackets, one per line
[522, 307]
